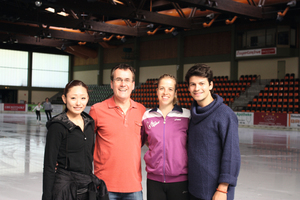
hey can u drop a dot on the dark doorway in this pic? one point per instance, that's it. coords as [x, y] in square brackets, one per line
[8, 96]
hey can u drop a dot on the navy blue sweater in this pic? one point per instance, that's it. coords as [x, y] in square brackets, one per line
[213, 149]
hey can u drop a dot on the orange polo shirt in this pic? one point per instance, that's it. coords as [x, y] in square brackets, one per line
[117, 155]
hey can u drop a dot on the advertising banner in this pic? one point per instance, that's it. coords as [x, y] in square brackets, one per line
[270, 119]
[30, 107]
[14, 107]
[256, 52]
[245, 118]
[294, 120]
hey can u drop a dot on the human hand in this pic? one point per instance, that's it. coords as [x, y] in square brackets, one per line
[219, 196]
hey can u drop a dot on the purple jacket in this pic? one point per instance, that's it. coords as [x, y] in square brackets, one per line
[166, 160]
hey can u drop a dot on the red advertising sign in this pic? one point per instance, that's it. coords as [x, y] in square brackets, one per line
[14, 107]
[270, 119]
[268, 51]
[256, 52]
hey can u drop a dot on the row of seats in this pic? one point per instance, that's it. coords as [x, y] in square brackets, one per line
[281, 82]
[289, 76]
[291, 94]
[98, 93]
[270, 110]
[280, 96]
[251, 77]
[233, 83]
[229, 90]
[252, 104]
[220, 78]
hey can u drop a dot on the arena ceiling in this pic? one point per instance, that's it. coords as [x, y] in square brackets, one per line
[70, 24]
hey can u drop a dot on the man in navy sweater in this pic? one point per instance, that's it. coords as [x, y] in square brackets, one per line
[213, 143]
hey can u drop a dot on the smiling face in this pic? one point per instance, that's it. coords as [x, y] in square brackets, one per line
[76, 99]
[122, 84]
[199, 88]
[166, 91]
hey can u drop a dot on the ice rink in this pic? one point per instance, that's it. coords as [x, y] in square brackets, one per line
[270, 168]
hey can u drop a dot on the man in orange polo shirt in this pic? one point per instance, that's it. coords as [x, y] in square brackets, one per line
[118, 121]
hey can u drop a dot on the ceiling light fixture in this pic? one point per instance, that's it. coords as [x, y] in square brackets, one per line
[119, 2]
[150, 25]
[49, 9]
[174, 33]
[62, 13]
[38, 3]
[122, 38]
[63, 47]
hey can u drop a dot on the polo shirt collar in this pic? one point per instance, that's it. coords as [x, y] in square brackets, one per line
[111, 103]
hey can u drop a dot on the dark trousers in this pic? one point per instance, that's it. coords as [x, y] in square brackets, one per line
[38, 115]
[194, 198]
[48, 114]
[167, 191]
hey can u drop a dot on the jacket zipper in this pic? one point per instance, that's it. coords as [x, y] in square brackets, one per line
[164, 150]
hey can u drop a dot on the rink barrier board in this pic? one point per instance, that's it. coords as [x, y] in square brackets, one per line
[244, 118]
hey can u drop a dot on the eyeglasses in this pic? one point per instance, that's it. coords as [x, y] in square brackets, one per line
[119, 80]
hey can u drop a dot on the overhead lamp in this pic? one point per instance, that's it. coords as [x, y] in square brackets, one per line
[63, 47]
[82, 43]
[170, 31]
[211, 15]
[38, 3]
[215, 4]
[119, 2]
[49, 9]
[174, 33]
[10, 40]
[123, 40]
[150, 25]
[108, 39]
[208, 2]
[62, 13]
[292, 3]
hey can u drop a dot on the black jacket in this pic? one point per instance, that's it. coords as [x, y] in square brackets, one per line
[68, 146]
[67, 183]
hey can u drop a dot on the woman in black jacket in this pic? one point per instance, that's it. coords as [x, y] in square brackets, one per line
[69, 151]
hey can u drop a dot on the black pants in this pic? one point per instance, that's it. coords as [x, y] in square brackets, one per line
[194, 198]
[167, 191]
[38, 115]
[48, 114]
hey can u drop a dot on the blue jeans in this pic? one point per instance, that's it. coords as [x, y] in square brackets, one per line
[125, 196]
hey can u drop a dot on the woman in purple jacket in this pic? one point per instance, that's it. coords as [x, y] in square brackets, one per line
[165, 133]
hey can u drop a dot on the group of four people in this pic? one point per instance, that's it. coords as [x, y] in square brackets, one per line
[193, 154]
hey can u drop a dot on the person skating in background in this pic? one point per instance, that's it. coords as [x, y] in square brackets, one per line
[37, 110]
[48, 108]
